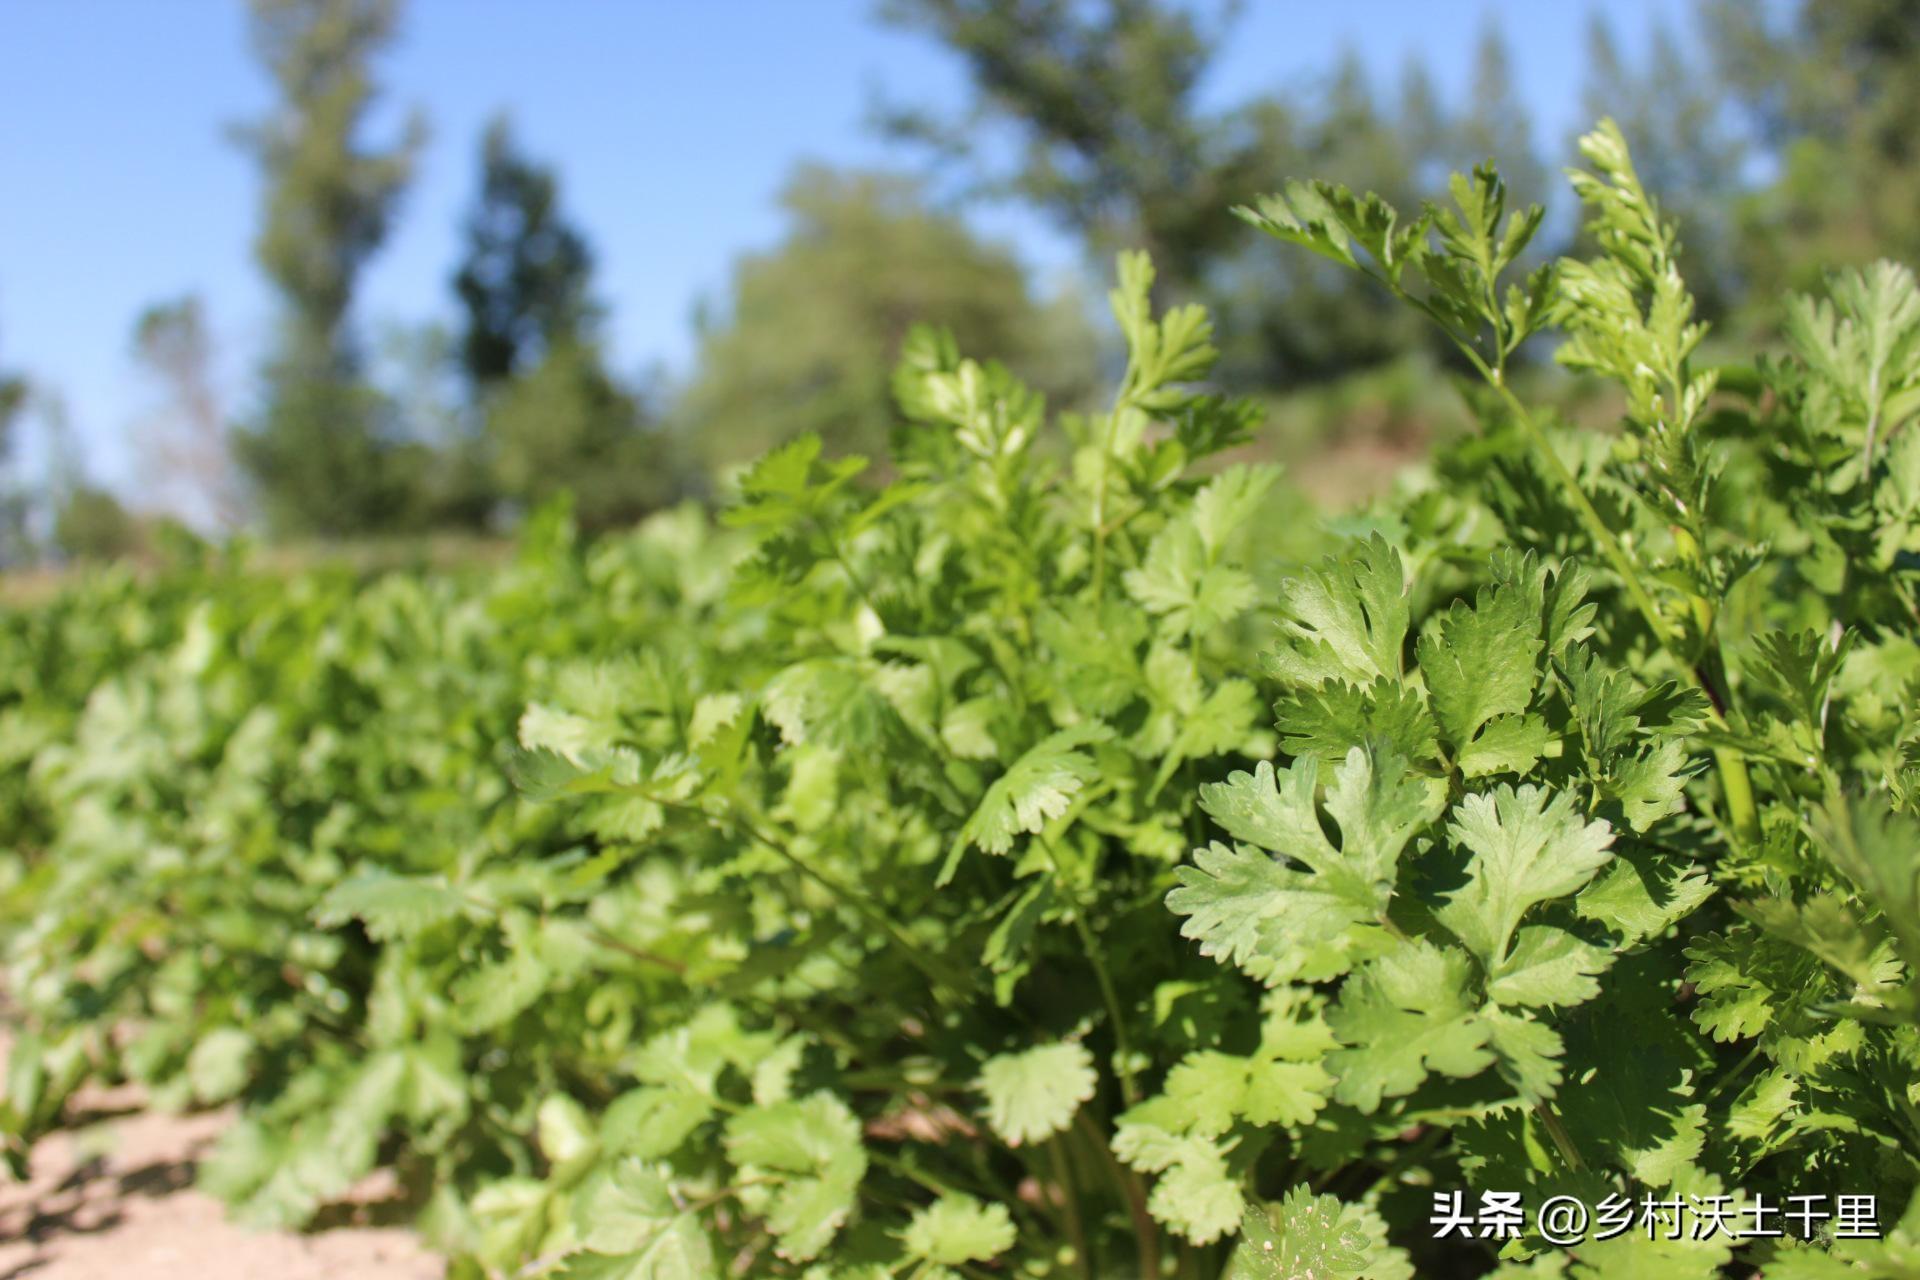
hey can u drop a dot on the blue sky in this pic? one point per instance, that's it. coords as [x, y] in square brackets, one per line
[673, 122]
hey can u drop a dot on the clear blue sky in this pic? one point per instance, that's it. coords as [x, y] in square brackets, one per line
[673, 123]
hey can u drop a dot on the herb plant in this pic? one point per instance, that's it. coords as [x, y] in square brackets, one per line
[1047, 862]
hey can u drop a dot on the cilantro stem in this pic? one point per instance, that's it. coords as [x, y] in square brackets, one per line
[1100, 501]
[1070, 1203]
[608, 940]
[1145, 1233]
[1122, 1046]
[1562, 1140]
[1583, 507]
[1738, 1069]
[846, 567]
[1736, 784]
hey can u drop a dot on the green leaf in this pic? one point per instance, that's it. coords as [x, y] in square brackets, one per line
[493, 994]
[1331, 719]
[1274, 921]
[1480, 662]
[543, 776]
[830, 701]
[1197, 1195]
[1228, 501]
[1033, 1094]
[1894, 1257]
[1873, 846]
[957, 1228]
[813, 1148]
[631, 1210]
[1315, 1235]
[1548, 966]
[1345, 620]
[217, 1067]
[1376, 803]
[390, 906]
[1746, 981]
[1641, 894]
[1529, 1052]
[1404, 1015]
[653, 1120]
[1508, 744]
[566, 1132]
[1177, 583]
[1037, 788]
[1208, 1093]
[1529, 846]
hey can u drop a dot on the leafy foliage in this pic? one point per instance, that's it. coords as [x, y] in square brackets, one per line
[905, 877]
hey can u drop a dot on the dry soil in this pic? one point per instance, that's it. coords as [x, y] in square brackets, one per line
[112, 1198]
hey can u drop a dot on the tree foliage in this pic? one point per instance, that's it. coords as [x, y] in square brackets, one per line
[551, 417]
[321, 450]
[525, 282]
[1828, 91]
[566, 426]
[1103, 101]
[808, 337]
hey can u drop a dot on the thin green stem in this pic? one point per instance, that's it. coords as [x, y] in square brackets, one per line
[1735, 782]
[612, 943]
[1616, 555]
[1100, 501]
[1739, 1068]
[1122, 1045]
[1070, 1199]
[1562, 1140]
[1146, 1233]
[853, 575]
[1109, 994]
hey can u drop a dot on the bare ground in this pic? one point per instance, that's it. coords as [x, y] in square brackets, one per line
[112, 1197]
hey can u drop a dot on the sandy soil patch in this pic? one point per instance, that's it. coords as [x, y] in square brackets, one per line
[112, 1197]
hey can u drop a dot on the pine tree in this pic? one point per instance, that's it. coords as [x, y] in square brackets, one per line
[552, 417]
[524, 282]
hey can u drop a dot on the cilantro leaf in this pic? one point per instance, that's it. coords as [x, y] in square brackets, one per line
[390, 906]
[957, 1228]
[1032, 1095]
[1345, 619]
[630, 1209]
[1480, 662]
[1304, 1234]
[1402, 1016]
[1548, 966]
[1529, 847]
[1277, 922]
[812, 1148]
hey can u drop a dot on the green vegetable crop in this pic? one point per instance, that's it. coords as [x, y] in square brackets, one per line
[1047, 861]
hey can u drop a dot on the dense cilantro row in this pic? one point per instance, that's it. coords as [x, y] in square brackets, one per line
[1044, 859]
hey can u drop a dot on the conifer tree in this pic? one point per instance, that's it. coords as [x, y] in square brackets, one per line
[524, 282]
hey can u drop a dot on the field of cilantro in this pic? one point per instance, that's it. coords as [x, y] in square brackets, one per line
[1044, 863]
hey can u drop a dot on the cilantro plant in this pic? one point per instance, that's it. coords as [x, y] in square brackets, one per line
[1042, 860]
[1594, 869]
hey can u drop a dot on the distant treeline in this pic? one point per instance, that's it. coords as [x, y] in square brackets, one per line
[1804, 115]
